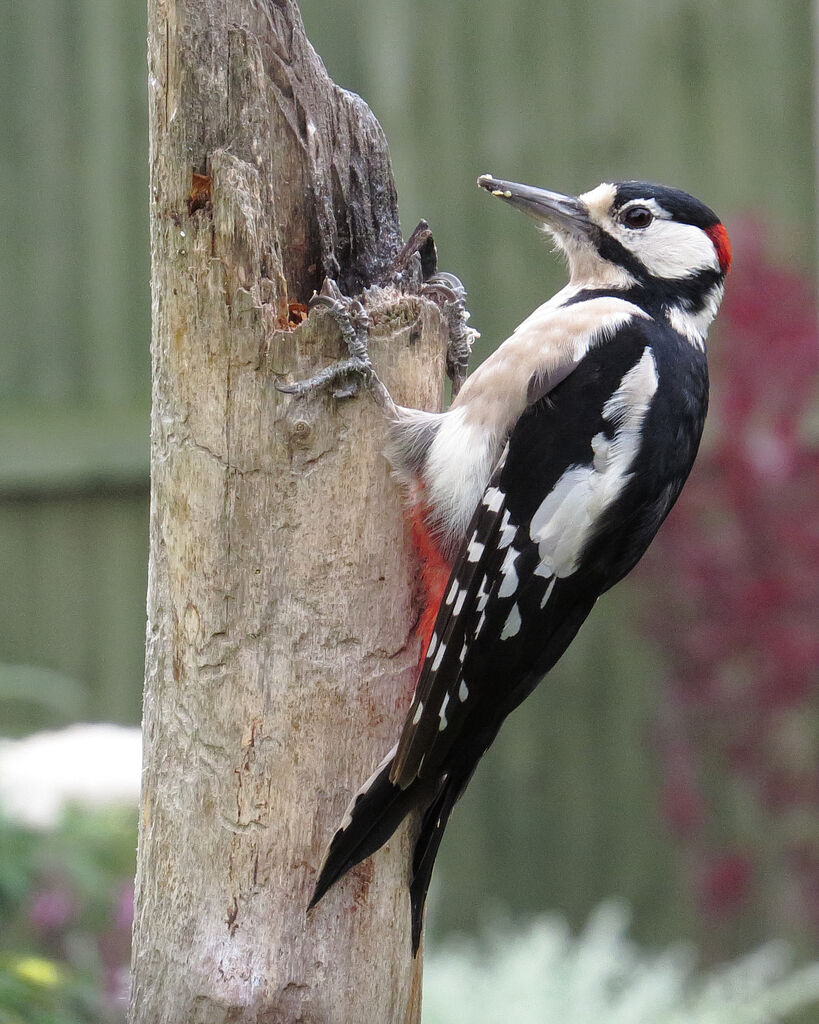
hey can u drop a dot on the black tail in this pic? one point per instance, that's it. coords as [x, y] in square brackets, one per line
[376, 811]
[429, 839]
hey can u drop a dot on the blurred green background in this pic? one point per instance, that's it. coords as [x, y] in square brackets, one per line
[713, 97]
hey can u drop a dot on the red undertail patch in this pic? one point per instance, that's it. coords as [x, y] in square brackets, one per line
[434, 573]
[722, 243]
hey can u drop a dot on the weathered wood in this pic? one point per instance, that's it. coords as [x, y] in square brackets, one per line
[280, 645]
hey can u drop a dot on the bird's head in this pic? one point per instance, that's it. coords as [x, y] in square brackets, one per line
[633, 235]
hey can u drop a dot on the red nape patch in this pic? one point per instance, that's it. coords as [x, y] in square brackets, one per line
[722, 243]
[434, 573]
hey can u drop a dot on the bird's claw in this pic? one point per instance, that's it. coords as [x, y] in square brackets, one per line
[347, 376]
[449, 292]
[448, 286]
[349, 314]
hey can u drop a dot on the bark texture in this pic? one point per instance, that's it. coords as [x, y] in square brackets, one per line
[280, 647]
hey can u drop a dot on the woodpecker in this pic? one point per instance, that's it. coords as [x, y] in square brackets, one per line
[542, 485]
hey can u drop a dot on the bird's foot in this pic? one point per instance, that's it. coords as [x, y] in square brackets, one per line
[347, 376]
[416, 268]
[450, 294]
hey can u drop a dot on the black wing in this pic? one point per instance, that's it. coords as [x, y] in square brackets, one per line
[568, 512]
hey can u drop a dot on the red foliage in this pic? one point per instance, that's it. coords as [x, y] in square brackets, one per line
[741, 628]
[726, 883]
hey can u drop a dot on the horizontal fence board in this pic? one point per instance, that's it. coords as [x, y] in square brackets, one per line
[52, 450]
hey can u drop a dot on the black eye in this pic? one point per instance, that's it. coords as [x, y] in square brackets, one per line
[637, 217]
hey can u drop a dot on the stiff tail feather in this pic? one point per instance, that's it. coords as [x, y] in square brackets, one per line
[429, 839]
[375, 812]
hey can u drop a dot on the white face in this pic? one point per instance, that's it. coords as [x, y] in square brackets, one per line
[666, 248]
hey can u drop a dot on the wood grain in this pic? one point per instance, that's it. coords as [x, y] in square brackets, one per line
[280, 647]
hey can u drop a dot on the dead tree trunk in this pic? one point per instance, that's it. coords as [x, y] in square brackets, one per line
[280, 646]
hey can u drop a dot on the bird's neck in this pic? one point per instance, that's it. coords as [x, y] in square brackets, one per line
[689, 306]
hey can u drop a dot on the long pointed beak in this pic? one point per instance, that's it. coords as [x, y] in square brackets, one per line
[563, 213]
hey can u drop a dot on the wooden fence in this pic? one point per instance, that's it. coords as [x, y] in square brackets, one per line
[714, 97]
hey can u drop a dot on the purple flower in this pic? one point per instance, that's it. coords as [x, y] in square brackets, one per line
[51, 910]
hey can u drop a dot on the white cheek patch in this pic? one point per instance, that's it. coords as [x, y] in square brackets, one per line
[670, 250]
[566, 518]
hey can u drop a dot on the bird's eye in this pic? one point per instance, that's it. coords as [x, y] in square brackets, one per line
[637, 217]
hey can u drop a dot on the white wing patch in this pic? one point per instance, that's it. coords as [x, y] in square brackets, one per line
[548, 592]
[565, 518]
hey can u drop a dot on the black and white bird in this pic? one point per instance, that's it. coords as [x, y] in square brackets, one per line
[542, 486]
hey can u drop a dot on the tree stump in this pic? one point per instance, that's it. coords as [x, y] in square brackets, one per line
[280, 654]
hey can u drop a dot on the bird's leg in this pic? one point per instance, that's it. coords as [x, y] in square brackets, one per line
[414, 270]
[347, 376]
[448, 291]
[416, 267]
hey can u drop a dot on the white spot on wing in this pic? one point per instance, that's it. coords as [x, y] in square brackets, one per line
[459, 603]
[442, 715]
[507, 531]
[513, 622]
[474, 550]
[432, 645]
[509, 583]
[453, 590]
[493, 499]
[439, 657]
[463, 692]
[416, 718]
